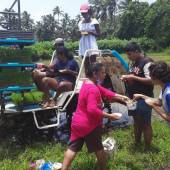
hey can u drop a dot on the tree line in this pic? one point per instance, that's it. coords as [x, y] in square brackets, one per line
[123, 19]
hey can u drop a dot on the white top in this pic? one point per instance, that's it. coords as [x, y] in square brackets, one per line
[165, 96]
[146, 70]
[87, 41]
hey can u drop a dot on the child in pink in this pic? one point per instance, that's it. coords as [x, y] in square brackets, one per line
[87, 120]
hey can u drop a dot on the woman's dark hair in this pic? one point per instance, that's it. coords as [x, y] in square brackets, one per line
[93, 68]
[90, 11]
[161, 71]
[133, 47]
[64, 51]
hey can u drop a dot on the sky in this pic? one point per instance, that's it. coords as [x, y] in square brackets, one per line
[38, 8]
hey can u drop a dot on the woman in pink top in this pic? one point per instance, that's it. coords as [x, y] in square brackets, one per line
[87, 120]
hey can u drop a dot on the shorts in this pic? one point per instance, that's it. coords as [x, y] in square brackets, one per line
[59, 79]
[50, 74]
[93, 141]
[143, 111]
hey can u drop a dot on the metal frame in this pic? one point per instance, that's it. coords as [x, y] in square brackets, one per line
[87, 53]
[33, 111]
[60, 108]
[50, 125]
[10, 14]
[79, 76]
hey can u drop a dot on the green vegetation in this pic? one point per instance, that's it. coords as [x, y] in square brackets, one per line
[164, 55]
[44, 50]
[27, 97]
[41, 52]
[10, 77]
[128, 157]
[120, 22]
[124, 19]
[15, 55]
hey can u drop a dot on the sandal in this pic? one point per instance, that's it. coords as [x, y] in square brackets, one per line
[52, 103]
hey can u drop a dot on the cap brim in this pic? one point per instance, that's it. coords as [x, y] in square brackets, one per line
[83, 11]
[54, 43]
[62, 42]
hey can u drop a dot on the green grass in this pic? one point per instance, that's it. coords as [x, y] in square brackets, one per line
[18, 77]
[127, 157]
[164, 55]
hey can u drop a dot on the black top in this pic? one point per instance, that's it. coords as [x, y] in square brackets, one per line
[136, 86]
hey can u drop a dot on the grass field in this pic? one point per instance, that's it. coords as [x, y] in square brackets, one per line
[163, 55]
[128, 157]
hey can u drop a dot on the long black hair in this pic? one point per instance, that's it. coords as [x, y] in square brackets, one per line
[133, 47]
[64, 51]
[93, 68]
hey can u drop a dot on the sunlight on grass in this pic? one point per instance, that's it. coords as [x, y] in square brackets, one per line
[127, 157]
[164, 55]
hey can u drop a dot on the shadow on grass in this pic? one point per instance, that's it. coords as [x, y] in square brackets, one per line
[19, 133]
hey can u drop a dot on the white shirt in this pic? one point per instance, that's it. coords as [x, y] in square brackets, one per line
[165, 97]
[87, 41]
[146, 70]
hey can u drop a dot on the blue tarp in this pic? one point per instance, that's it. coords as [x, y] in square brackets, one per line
[17, 65]
[17, 88]
[120, 58]
[15, 41]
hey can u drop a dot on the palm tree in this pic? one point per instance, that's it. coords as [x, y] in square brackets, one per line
[123, 5]
[45, 29]
[73, 30]
[58, 12]
[78, 18]
[65, 25]
[112, 8]
[27, 23]
[8, 21]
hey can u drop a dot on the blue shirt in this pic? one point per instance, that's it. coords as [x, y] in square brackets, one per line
[166, 98]
[71, 65]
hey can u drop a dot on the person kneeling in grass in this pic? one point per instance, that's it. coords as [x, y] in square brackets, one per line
[160, 75]
[86, 126]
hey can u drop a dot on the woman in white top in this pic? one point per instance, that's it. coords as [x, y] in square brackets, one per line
[89, 29]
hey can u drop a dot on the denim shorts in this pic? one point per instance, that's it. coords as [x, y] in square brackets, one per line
[143, 111]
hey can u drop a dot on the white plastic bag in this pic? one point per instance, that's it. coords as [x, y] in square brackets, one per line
[110, 146]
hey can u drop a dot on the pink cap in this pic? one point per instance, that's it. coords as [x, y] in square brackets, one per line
[84, 8]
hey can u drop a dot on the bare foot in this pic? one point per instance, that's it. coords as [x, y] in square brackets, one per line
[49, 103]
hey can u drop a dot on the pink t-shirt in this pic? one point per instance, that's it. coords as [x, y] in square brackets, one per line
[89, 112]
